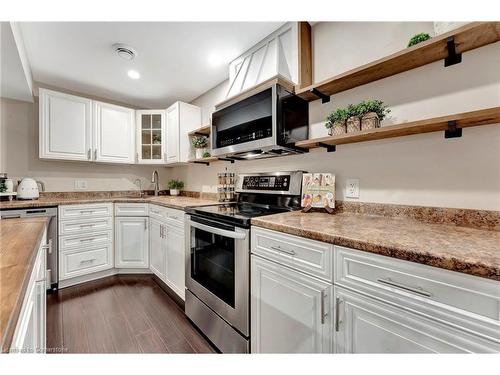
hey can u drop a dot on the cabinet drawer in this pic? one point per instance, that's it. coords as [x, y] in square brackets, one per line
[85, 226]
[131, 209]
[86, 239]
[82, 211]
[82, 262]
[311, 257]
[463, 300]
[157, 212]
[175, 216]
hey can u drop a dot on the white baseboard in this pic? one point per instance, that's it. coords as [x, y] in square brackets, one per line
[102, 274]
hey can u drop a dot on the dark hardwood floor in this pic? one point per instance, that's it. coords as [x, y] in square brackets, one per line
[119, 314]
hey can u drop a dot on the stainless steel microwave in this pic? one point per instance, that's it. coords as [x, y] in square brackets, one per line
[263, 125]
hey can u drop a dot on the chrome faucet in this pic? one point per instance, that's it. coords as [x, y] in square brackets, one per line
[154, 180]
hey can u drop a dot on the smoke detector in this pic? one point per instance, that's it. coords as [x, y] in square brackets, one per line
[124, 51]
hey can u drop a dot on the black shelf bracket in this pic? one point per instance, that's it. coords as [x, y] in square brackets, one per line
[329, 148]
[324, 98]
[453, 131]
[202, 162]
[453, 57]
[227, 159]
[200, 134]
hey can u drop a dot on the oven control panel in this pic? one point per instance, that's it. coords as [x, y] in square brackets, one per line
[262, 182]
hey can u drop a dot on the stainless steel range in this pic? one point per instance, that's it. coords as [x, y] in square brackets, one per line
[218, 256]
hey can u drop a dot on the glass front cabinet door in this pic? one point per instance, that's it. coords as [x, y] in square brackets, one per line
[150, 136]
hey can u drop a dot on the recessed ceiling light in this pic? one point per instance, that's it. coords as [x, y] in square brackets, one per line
[134, 74]
[124, 51]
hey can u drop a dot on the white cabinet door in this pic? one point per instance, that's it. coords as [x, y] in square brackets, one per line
[131, 242]
[290, 311]
[364, 325]
[173, 133]
[175, 259]
[150, 136]
[65, 125]
[156, 248]
[181, 119]
[114, 133]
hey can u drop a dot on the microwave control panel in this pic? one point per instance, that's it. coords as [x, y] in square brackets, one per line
[281, 182]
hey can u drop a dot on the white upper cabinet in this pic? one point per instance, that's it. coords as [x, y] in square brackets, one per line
[277, 54]
[181, 119]
[114, 133]
[65, 126]
[76, 128]
[150, 136]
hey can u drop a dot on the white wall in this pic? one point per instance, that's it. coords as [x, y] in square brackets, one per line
[423, 169]
[19, 157]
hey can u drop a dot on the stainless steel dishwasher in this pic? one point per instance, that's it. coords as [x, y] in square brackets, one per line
[52, 254]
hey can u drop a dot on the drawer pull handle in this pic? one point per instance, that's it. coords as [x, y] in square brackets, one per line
[87, 239]
[155, 211]
[86, 225]
[87, 260]
[278, 248]
[395, 284]
[87, 212]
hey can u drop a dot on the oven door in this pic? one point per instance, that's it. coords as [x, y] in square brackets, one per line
[217, 268]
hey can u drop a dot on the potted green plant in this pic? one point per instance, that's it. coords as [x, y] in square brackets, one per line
[200, 143]
[335, 121]
[206, 154]
[372, 112]
[418, 38]
[175, 186]
[353, 123]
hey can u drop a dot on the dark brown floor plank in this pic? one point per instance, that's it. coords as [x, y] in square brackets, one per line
[123, 314]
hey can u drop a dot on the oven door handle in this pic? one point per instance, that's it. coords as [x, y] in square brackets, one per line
[222, 232]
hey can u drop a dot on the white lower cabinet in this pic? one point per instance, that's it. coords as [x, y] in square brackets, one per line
[131, 242]
[175, 257]
[30, 332]
[157, 247]
[291, 311]
[364, 325]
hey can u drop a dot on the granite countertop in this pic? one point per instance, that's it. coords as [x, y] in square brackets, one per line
[20, 240]
[177, 202]
[468, 250]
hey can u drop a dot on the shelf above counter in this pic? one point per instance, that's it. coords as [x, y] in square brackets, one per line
[204, 130]
[446, 47]
[450, 123]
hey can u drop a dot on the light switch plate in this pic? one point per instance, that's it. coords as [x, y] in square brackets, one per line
[352, 188]
[80, 184]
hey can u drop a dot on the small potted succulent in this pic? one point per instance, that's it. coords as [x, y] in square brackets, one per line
[335, 121]
[353, 123]
[200, 143]
[419, 38]
[175, 186]
[372, 112]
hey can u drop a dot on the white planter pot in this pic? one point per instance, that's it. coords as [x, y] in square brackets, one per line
[200, 152]
[174, 191]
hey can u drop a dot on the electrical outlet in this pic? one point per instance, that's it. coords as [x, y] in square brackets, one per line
[80, 184]
[352, 188]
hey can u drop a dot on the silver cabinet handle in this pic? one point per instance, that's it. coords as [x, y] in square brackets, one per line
[161, 230]
[87, 260]
[338, 301]
[87, 212]
[136, 157]
[154, 211]
[145, 224]
[395, 284]
[278, 248]
[95, 154]
[86, 225]
[323, 313]
[89, 154]
[87, 239]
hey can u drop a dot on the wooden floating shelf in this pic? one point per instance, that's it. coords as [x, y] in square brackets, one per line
[465, 38]
[204, 160]
[204, 130]
[459, 120]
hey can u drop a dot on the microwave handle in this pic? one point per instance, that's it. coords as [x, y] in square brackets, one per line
[222, 232]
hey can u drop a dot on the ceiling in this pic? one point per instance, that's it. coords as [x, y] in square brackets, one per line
[176, 60]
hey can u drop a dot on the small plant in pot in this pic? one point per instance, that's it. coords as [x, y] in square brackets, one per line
[418, 38]
[200, 143]
[353, 123]
[175, 186]
[372, 112]
[335, 121]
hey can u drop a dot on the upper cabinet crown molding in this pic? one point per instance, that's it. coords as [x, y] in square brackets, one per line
[285, 53]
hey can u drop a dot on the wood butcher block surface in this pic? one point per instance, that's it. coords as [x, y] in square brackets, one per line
[19, 242]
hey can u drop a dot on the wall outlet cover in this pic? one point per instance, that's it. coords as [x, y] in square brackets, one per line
[352, 188]
[80, 184]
